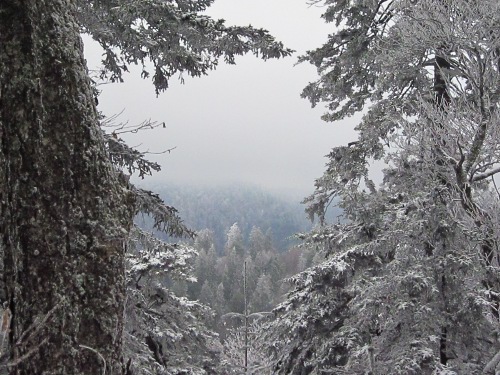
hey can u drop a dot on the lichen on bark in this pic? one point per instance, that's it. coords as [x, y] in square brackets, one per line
[64, 212]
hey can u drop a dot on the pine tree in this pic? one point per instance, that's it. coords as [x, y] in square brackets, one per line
[402, 289]
[262, 297]
[165, 333]
[258, 360]
[207, 294]
[65, 211]
[235, 241]
[220, 305]
[205, 239]
[256, 241]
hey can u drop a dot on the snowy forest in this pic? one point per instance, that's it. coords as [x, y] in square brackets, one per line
[102, 275]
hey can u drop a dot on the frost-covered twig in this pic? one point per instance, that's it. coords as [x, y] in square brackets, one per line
[99, 354]
[5, 329]
[37, 325]
[124, 127]
[28, 354]
[492, 365]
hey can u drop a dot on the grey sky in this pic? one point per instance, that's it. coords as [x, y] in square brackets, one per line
[241, 123]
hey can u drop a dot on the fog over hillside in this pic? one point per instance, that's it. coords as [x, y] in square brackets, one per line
[218, 208]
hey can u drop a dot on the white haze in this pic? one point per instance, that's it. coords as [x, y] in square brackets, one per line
[243, 123]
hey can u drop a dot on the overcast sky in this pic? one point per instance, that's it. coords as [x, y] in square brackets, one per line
[241, 123]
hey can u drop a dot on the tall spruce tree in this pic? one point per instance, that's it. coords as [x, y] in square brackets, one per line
[65, 212]
[409, 284]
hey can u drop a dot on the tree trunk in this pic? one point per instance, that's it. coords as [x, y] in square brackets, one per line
[64, 212]
[442, 100]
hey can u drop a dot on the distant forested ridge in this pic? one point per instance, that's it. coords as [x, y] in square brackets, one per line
[218, 208]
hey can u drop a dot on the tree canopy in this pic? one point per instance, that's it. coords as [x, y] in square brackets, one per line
[409, 282]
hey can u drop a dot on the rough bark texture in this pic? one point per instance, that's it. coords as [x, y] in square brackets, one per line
[64, 212]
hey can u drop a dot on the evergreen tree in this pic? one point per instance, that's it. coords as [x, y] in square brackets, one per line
[258, 360]
[205, 270]
[256, 242]
[233, 282]
[262, 297]
[207, 294]
[220, 305]
[235, 241]
[212, 274]
[164, 333]
[401, 288]
[205, 239]
[65, 211]
[252, 277]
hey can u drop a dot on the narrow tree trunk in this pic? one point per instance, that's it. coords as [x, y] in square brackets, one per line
[440, 87]
[63, 215]
[442, 99]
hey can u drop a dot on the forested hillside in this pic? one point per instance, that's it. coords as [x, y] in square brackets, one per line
[407, 282]
[218, 208]
[241, 283]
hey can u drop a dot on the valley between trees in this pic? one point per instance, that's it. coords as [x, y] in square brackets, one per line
[406, 281]
[234, 267]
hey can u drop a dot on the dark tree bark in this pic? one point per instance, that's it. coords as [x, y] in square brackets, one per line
[442, 98]
[65, 212]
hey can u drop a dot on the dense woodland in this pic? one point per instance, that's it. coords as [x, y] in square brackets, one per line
[218, 207]
[407, 281]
